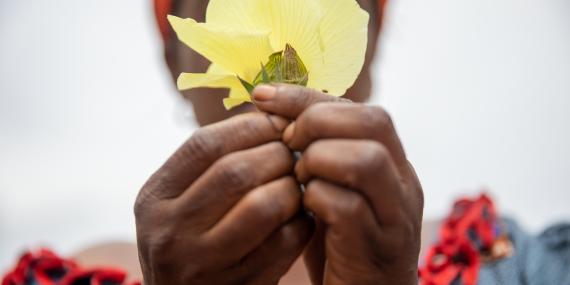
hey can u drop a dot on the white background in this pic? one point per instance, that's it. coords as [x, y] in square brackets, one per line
[479, 90]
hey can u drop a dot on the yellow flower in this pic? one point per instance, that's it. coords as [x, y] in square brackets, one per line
[240, 36]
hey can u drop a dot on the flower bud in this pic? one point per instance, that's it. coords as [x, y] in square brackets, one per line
[282, 67]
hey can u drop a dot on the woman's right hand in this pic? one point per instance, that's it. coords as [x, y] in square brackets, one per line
[224, 209]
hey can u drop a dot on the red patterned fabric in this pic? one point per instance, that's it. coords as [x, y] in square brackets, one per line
[467, 238]
[163, 7]
[43, 267]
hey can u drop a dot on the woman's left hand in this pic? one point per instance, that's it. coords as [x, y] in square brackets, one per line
[366, 197]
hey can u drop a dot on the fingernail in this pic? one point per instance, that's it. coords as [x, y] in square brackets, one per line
[278, 123]
[264, 93]
[288, 134]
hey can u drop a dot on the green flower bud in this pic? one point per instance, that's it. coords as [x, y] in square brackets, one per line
[282, 67]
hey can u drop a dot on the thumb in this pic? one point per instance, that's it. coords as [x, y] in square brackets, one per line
[289, 101]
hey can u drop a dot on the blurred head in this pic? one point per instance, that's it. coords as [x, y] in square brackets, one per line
[207, 102]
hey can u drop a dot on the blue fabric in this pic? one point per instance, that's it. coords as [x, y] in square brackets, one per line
[544, 259]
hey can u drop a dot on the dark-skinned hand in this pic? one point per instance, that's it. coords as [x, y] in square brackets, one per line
[364, 193]
[224, 209]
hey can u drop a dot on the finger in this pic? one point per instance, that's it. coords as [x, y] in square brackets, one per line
[276, 255]
[353, 235]
[206, 146]
[289, 101]
[362, 165]
[266, 264]
[255, 217]
[314, 255]
[350, 121]
[230, 178]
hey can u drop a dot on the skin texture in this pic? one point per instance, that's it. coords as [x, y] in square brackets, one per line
[227, 206]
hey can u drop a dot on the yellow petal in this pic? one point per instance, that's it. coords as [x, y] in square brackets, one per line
[216, 69]
[216, 77]
[343, 34]
[243, 15]
[194, 80]
[238, 94]
[294, 22]
[230, 103]
[239, 52]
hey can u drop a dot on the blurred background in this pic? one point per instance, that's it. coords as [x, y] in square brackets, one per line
[479, 91]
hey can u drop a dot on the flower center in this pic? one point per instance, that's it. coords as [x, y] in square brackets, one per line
[283, 67]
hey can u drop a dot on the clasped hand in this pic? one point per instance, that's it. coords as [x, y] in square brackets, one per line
[226, 207]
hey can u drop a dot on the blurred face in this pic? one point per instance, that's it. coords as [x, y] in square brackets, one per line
[207, 102]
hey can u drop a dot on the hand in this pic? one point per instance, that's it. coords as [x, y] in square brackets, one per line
[224, 209]
[365, 195]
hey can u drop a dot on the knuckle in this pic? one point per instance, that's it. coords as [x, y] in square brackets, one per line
[278, 204]
[310, 157]
[296, 94]
[253, 123]
[201, 145]
[279, 149]
[351, 208]
[146, 198]
[317, 118]
[163, 244]
[160, 239]
[196, 271]
[290, 184]
[373, 156]
[306, 97]
[158, 243]
[410, 228]
[281, 158]
[379, 118]
[140, 206]
[291, 202]
[302, 96]
[235, 172]
[403, 238]
[316, 112]
[253, 162]
[290, 237]
[262, 203]
[370, 157]
[309, 198]
[310, 187]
